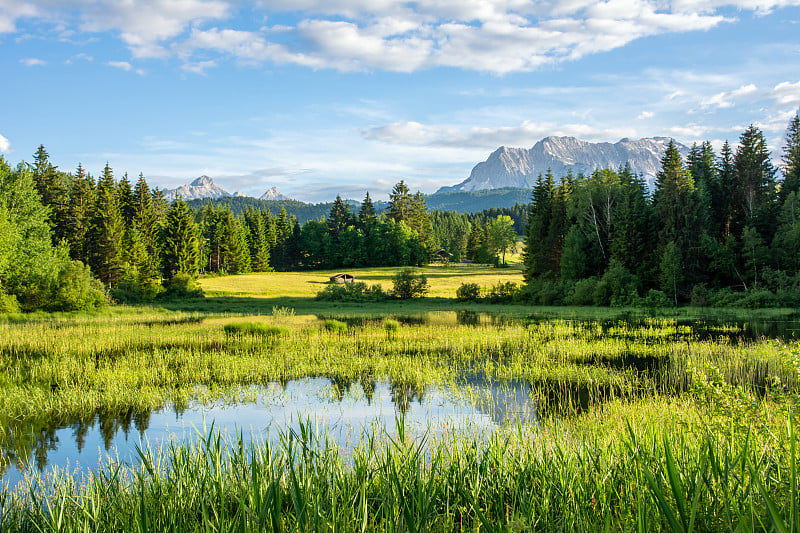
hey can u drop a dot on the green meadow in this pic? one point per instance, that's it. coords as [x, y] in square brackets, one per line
[645, 420]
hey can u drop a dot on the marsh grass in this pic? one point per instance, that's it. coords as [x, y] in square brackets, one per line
[646, 479]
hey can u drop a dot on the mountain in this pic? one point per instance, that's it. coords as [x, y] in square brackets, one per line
[519, 167]
[274, 194]
[202, 187]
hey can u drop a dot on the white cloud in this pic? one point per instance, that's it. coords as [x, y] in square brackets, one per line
[786, 94]
[496, 36]
[525, 134]
[198, 67]
[33, 62]
[725, 99]
[645, 115]
[81, 56]
[124, 65]
[4, 145]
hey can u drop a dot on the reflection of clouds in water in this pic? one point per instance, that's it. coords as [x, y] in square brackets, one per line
[344, 411]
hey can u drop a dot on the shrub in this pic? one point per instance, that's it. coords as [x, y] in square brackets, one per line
[701, 296]
[502, 292]
[335, 326]
[656, 299]
[617, 287]
[351, 292]
[391, 325]
[133, 288]
[182, 285]
[408, 284]
[468, 292]
[8, 303]
[255, 329]
[77, 290]
[582, 292]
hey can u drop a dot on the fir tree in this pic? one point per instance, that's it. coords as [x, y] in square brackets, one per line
[399, 202]
[339, 218]
[366, 215]
[79, 216]
[145, 219]
[107, 231]
[791, 160]
[181, 253]
[754, 185]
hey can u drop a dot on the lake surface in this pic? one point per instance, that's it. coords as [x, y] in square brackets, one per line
[346, 412]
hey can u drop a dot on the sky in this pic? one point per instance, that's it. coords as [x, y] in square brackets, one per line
[327, 97]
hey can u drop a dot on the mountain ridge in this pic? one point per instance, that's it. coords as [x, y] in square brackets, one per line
[519, 167]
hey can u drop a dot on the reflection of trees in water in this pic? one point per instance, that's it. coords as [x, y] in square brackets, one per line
[340, 386]
[368, 386]
[404, 392]
[32, 441]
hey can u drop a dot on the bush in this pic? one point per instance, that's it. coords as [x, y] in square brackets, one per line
[132, 288]
[182, 285]
[8, 303]
[408, 284]
[582, 292]
[503, 292]
[335, 326]
[616, 288]
[468, 292]
[701, 296]
[77, 290]
[656, 299]
[351, 292]
[255, 329]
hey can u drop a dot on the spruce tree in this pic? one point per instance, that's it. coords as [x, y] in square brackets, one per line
[147, 224]
[728, 207]
[181, 254]
[339, 218]
[366, 215]
[107, 231]
[79, 215]
[754, 184]
[126, 201]
[674, 200]
[791, 160]
[399, 202]
[54, 193]
[539, 213]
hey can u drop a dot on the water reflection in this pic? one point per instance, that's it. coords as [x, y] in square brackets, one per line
[346, 409]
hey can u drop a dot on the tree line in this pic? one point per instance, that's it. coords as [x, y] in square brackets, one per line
[126, 238]
[717, 229]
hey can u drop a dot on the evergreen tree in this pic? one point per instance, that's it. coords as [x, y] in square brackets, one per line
[633, 237]
[257, 240]
[674, 199]
[366, 215]
[147, 224]
[126, 201]
[399, 202]
[79, 215]
[107, 231]
[339, 218]
[181, 253]
[539, 213]
[727, 206]
[791, 160]
[418, 219]
[54, 193]
[754, 185]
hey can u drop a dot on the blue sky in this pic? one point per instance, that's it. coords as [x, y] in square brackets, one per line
[326, 97]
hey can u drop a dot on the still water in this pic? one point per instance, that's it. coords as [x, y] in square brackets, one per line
[346, 412]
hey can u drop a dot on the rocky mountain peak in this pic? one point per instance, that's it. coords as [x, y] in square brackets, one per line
[274, 194]
[202, 187]
[519, 167]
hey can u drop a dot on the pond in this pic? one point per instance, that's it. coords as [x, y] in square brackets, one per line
[346, 412]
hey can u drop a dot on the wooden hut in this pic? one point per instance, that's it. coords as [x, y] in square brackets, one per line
[344, 277]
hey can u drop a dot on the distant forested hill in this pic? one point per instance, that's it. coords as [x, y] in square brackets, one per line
[475, 201]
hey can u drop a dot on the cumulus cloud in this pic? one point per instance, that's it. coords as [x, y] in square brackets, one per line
[786, 94]
[645, 115]
[4, 145]
[33, 62]
[726, 99]
[525, 134]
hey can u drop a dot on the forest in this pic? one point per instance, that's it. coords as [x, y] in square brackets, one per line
[717, 230]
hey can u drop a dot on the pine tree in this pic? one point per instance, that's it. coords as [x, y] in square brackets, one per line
[791, 160]
[366, 215]
[147, 224]
[54, 193]
[107, 231]
[754, 185]
[79, 215]
[126, 201]
[399, 202]
[339, 218]
[674, 199]
[181, 253]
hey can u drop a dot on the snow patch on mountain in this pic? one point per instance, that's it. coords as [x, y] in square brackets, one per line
[274, 194]
[202, 187]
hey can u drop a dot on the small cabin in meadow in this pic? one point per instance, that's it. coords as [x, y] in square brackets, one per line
[344, 277]
[442, 255]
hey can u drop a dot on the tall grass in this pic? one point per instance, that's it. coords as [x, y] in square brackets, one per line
[520, 479]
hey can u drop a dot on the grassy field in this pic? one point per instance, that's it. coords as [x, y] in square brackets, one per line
[443, 280]
[680, 423]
